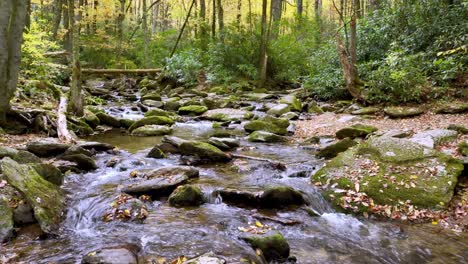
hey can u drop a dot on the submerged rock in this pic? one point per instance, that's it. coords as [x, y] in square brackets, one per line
[229, 142]
[355, 131]
[47, 147]
[203, 151]
[263, 136]
[152, 130]
[110, 256]
[391, 170]
[334, 149]
[272, 245]
[403, 112]
[208, 258]
[45, 198]
[186, 195]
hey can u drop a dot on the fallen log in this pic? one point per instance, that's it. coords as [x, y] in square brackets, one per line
[63, 133]
[120, 71]
[57, 53]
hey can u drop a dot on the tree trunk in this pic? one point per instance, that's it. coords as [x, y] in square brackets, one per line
[263, 46]
[276, 12]
[145, 34]
[220, 11]
[28, 15]
[57, 18]
[239, 14]
[300, 8]
[12, 22]
[120, 20]
[213, 20]
[203, 25]
[183, 28]
[76, 97]
[374, 4]
[66, 23]
[95, 9]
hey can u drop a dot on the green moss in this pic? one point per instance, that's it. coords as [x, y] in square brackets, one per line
[274, 247]
[158, 112]
[332, 150]
[186, 195]
[153, 120]
[354, 131]
[151, 96]
[203, 150]
[193, 109]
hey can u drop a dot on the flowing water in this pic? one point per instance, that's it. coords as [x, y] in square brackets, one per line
[170, 232]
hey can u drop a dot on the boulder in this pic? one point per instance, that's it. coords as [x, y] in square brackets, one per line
[7, 229]
[366, 111]
[355, 131]
[110, 256]
[152, 120]
[91, 119]
[193, 110]
[263, 136]
[314, 108]
[75, 149]
[49, 172]
[106, 119]
[269, 124]
[95, 146]
[83, 162]
[293, 102]
[186, 195]
[152, 103]
[463, 148]
[174, 141]
[259, 96]
[208, 258]
[158, 112]
[397, 133]
[47, 147]
[455, 108]
[230, 142]
[126, 123]
[290, 116]
[459, 128]
[156, 153]
[281, 197]
[20, 156]
[435, 137]
[391, 171]
[226, 114]
[161, 182]
[402, 112]
[273, 246]
[152, 130]
[203, 151]
[334, 149]
[278, 110]
[151, 96]
[171, 105]
[45, 198]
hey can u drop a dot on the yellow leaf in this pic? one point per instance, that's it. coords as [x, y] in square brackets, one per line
[435, 222]
[258, 224]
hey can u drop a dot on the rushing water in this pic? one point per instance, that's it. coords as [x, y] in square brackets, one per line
[170, 232]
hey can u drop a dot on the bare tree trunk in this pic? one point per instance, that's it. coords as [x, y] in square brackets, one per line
[63, 133]
[95, 9]
[28, 15]
[120, 20]
[219, 8]
[183, 27]
[276, 12]
[263, 46]
[12, 21]
[66, 23]
[213, 21]
[239, 14]
[250, 16]
[145, 34]
[76, 97]
[80, 14]
[300, 8]
[203, 25]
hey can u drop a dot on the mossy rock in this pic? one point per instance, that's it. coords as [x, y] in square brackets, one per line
[459, 128]
[269, 124]
[279, 109]
[366, 111]
[49, 172]
[463, 148]
[156, 153]
[266, 137]
[204, 151]
[186, 195]
[226, 114]
[152, 130]
[313, 108]
[273, 246]
[293, 102]
[281, 197]
[151, 96]
[7, 229]
[193, 110]
[403, 112]
[152, 120]
[20, 156]
[290, 116]
[158, 112]
[354, 131]
[47, 147]
[126, 123]
[334, 149]
[45, 198]
[392, 171]
[456, 108]
[91, 119]
[80, 127]
[219, 90]
[171, 105]
[109, 120]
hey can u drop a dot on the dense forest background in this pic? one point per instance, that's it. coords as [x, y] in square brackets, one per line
[378, 51]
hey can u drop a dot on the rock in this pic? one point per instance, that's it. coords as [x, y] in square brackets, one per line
[83, 162]
[108, 120]
[156, 153]
[278, 110]
[91, 119]
[230, 142]
[7, 229]
[366, 111]
[161, 182]
[75, 149]
[456, 108]
[463, 148]
[96, 146]
[153, 120]
[203, 151]
[47, 147]
[290, 116]
[23, 214]
[126, 123]
[152, 130]
[259, 96]
[49, 172]
[45, 198]
[111, 163]
[151, 96]
[313, 108]
[171, 105]
[435, 137]
[460, 129]
[218, 143]
[403, 112]
[158, 112]
[208, 258]
[263, 136]
[355, 131]
[193, 110]
[269, 124]
[174, 141]
[390, 172]
[110, 256]
[241, 198]
[281, 197]
[293, 102]
[20, 156]
[396, 133]
[226, 114]
[152, 103]
[186, 195]
[272, 245]
[334, 149]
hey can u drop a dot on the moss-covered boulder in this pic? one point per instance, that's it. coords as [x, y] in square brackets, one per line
[230, 142]
[281, 197]
[91, 119]
[6, 220]
[278, 109]
[156, 153]
[158, 112]
[269, 124]
[273, 246]
[49, 172]
[45, 198]
[293, 102]
[186, 195]
[106, 119]
[203, 151]
[366, 111]
[314, 108]
[355, 131]
[152, 120]
[47, 147]
[290, 116]
[193, 110]
[403, 112]
[20, 156]
[459, 128]
[151, 96]
[263, 136]
[227, 114]
[454, 108]
[334, 149]
[390, 171]
[152, 130]
[463, 148]
[259, 96]
[171, 105]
